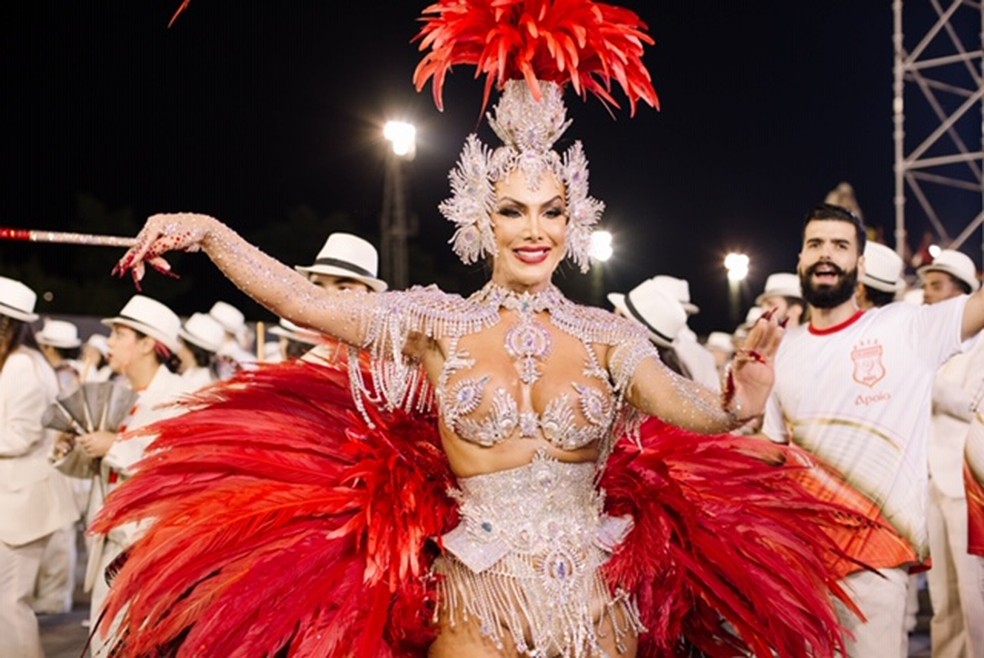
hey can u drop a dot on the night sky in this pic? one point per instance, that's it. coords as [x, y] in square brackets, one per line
[245, 110]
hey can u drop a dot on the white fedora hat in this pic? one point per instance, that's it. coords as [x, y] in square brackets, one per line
[349, 256]
[753, 315]
[99, 342]
[882, 268]
[678, 289]
[58, 333]
[17, 300]
[151, 318]
[781, 284]
[230, 317]
[719, 340]
[650, 305]
[955, 263]
[203, 331]
[291, 331]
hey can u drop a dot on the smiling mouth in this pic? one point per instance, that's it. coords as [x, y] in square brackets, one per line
[826, 273]
[532, 255]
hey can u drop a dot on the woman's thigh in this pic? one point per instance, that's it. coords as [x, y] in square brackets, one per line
[466, 640]
[625, 646]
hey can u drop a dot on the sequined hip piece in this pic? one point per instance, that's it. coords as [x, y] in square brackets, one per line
[525, 561]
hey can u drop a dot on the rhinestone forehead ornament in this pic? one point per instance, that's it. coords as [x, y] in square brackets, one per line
[529, 49]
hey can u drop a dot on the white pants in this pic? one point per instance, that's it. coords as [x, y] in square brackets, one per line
[881, 596]
[956, 581]
[19, 567]
[56, 579]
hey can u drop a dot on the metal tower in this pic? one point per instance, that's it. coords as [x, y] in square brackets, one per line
[939, 107]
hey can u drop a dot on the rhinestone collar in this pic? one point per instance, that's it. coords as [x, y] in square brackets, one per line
[549, 299]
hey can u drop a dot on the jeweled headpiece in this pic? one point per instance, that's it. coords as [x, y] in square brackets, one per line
[529, 49]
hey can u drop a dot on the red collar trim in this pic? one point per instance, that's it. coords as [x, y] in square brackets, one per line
[837, 327]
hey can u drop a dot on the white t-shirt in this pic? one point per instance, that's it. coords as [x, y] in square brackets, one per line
[858, 396]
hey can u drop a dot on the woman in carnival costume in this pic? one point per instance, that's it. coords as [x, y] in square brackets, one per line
[461, 491]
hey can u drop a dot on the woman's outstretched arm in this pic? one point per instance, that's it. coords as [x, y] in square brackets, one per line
[279, 288]
[656, 390]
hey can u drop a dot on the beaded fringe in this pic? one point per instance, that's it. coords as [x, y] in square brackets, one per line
[510, 600]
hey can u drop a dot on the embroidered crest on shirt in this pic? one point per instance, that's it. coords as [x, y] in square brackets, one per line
[868, 366]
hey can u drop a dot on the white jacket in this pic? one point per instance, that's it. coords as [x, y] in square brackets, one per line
[34, 499]
[118, 464]
[957, 381]
[698, 360]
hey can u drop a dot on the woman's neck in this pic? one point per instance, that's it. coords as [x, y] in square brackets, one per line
[504, 283]
[141, 373]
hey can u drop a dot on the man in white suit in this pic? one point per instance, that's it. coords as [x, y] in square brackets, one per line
[956, 580]
[34, 500]
[697, 359]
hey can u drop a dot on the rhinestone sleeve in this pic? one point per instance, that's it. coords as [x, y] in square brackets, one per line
[626, 359]
[658, 391]
[380, 323]
[287, 293]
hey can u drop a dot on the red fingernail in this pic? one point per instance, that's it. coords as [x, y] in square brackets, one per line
[783, 323]
[768, 314]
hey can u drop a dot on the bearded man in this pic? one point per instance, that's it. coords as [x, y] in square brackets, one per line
[854, 387]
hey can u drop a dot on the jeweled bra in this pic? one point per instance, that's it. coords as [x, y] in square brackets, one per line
[585, 414]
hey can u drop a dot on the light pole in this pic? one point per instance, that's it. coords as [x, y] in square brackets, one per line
[394, 221]
[601, 250]
[736, 265]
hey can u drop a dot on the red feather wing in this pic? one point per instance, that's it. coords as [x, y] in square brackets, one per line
[281, 519]
[729, 553]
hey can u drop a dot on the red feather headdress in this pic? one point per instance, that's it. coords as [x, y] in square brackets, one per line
[530, 50]
[589, 44]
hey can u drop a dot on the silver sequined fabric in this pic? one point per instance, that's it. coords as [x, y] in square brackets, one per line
[525, 560]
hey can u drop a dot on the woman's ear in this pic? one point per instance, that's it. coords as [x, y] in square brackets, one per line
[146, 345]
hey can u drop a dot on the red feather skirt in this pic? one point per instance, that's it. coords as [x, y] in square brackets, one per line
[283, 524]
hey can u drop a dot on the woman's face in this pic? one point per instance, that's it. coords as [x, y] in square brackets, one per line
[187, 358]
[530, 228]
[126, 348]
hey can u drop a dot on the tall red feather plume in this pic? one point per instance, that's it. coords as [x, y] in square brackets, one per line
[589, 44]
[177, 12]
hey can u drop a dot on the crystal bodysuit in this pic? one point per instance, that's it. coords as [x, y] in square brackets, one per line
[528, 344]
[524, 561]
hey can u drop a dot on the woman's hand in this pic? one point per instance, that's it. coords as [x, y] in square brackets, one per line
[752, 371]
[96, 444]
[163, 233]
